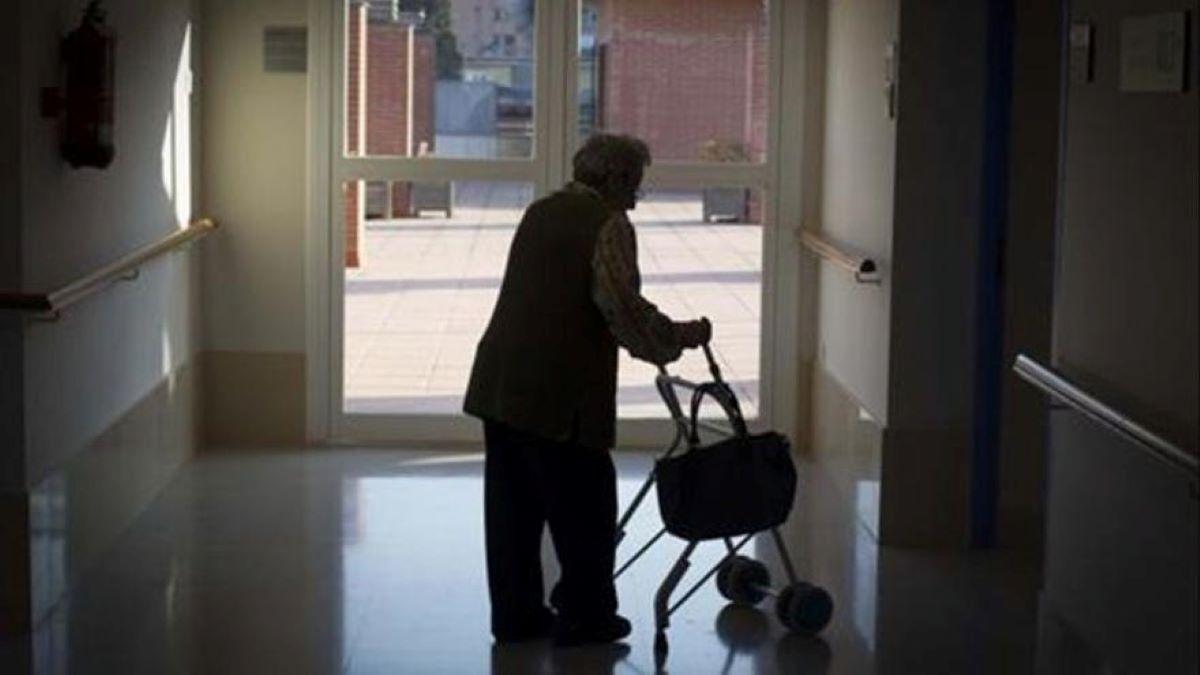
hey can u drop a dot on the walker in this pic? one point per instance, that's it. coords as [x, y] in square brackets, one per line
[801, 607]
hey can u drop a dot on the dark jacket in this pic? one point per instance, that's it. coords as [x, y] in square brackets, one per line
[547, 364]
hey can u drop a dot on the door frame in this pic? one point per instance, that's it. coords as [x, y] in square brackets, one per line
[556, 86]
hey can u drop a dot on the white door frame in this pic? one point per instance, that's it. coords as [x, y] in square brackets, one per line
[555, 114]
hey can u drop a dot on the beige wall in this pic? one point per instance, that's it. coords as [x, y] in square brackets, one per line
[893, 389]
[940, 138]
[253, 179]
[254, 182]
[1129, 238]
[1125, 328]
[1029, 257]
[107, 396]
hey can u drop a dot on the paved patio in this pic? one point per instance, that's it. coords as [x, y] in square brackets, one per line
[424, 293]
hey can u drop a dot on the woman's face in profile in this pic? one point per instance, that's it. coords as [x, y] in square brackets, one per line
[631, 190]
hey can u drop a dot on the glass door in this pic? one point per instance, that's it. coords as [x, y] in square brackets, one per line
[451, 116]
[441, 144]
[693, 81]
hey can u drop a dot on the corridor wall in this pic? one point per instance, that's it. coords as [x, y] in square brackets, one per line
[254, 180]
[108, 391]
[1125, 329]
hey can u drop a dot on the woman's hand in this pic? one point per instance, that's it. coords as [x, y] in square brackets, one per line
[693, 334]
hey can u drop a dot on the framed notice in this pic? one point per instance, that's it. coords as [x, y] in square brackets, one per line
[1154, 52]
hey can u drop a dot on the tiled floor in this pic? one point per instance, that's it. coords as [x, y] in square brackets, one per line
[371, 561]
[417, 306]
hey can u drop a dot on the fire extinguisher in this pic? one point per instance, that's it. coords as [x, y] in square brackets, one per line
[88, 58]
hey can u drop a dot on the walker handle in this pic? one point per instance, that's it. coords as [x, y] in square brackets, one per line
[712, 363]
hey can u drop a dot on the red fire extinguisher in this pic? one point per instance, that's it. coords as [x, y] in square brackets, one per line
[88, 102]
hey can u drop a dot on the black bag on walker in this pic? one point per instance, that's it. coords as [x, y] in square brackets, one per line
[739, 485]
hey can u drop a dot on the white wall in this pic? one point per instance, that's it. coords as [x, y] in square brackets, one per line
[108, 394]
[858, 159]
[255, 139]
[87, 370]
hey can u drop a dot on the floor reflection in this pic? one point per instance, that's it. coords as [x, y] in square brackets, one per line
[746, 634]
[372, 561]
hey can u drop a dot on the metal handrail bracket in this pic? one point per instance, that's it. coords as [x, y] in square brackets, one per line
[1062, 389]
[865, 270]
[127, 268]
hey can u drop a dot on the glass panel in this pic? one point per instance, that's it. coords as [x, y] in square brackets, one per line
[700, 254]
[423, 269]
[424, 263]
[439, 78]
[689, 78]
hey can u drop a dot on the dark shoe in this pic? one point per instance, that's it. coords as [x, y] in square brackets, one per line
[539, 628]
[573, 633]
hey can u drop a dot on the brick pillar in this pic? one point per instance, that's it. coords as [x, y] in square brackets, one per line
[401, 194]
[377, 92]
[356, 25]
[754, 206]
[351, 200]
[387, 101]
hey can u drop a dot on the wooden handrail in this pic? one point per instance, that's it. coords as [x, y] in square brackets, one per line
[126, 268]
[865, 270]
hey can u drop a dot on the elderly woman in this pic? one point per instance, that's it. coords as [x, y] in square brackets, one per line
[544, 383]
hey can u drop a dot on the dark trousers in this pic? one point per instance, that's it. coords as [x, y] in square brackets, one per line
[530, 482]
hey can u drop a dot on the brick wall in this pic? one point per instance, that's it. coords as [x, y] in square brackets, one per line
[380, 118]
[387, 90]
[355, 29]
[678, 73]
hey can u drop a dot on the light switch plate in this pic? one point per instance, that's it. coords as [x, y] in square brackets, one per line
[1080, 56]
[891, 73]
[1153, 52]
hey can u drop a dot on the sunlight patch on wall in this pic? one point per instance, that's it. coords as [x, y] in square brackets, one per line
[177, 137]
[183, 131]
[168, 359]
[168, 158]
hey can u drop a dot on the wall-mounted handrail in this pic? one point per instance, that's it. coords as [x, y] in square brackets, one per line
[1064, 390]
[126, 268]
[865, 270]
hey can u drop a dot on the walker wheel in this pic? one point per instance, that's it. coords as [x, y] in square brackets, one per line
[804, 608]
[741, 580]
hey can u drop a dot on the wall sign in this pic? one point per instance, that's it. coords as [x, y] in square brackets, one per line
[1080, 58]
[285, 49]
[1153, 52]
